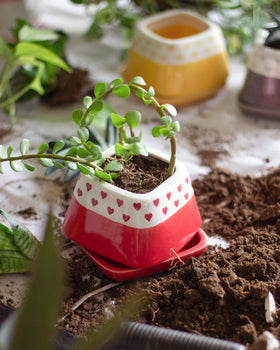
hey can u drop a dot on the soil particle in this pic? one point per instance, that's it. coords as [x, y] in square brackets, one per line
[221, 293]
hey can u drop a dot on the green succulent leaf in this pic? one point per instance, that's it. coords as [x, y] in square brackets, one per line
[122, 91]
[138, 148]
[75, 141]
[176, 126]
[43, 148]
[114, 165]
[28, 33]
[58, 146]
[83, 169]
[138, 80]
[140, 94]
[24, 146]
[117, 120]
[166, 120]
[99, 89]
[156, 130]
[9, 151]
[102, 175]
[15, 165]
[83, 153]
[27, 166]
[83, 133]
[58, 165]
[119, 149]
[133, 118]
[116, 82]
[70, 165]
[96, 106]
[170, 109]
[87, 101]
[77, 116]
[73, 151]
[46, 162]
[150, 93]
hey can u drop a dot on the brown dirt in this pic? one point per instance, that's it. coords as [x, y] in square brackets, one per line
[221, 293]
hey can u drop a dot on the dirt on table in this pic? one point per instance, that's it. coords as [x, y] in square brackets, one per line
[221, 293]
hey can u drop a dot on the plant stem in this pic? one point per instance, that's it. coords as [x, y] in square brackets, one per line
[161, 113]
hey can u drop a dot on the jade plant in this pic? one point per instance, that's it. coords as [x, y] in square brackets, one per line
[85, 155]
[30, 64]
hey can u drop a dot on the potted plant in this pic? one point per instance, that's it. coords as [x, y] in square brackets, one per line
[143, 232]
[260, 96]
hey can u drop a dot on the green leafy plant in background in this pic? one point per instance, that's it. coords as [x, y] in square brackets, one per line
[18, 246]
[30, 64]
[239, 19]
[86, 156]
[32, 327]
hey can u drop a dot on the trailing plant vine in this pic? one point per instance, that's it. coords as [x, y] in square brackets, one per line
[83, 154]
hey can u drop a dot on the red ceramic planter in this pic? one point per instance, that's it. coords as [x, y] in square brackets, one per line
[136, 230]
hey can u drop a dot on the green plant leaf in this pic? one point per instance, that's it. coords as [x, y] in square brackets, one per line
[96, 106]
[15, 165]
[83, 133]
[116, 82]
[133, 118]
[75, 141]
[117, 120]
[138, 80]
[57, 164]
[24, 146]
[150, 93]
[77, 116]
[9, 151]
[13, 262]
[140, 94]
[122, 91]
[83, 169]
[27, 166]
[87, 101]
[170, 109]
[70, 165]
[46, 162]
[72, 152]
[41, 53]
[138, 148]
[6, 239]
[103, 176]
[114, 165]
[43, 148]
[44, 297]
[58, 146]
[156, 130]
[166, 120]
[5, 50]
[99, 89]
[28, 33]
[23, 238]
[83, 153]
[176, 126]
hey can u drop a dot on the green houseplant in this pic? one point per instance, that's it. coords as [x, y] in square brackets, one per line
[168, 213]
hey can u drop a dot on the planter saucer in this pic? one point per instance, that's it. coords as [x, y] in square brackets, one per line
[119, 272]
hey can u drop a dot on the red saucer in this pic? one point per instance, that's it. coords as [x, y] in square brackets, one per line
[119, 272]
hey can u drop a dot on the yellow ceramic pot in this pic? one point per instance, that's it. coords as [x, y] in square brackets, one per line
[181, 54]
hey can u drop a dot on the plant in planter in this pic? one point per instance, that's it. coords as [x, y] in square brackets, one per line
[126, 234]
[259, 96]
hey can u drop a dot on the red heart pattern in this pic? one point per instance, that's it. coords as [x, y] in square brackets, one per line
[88, 186]
[120, 202]
[137, 206]
[103, 194]
[94, 202]
[110, 210]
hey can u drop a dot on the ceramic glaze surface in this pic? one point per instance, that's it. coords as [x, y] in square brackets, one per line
[136, 230]
[181, 69]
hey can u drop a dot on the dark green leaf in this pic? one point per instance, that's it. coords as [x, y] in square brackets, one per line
[9, 151]
[122, 91]
[13, 262]
[6, 239]
[72, 152]
[83, 153]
